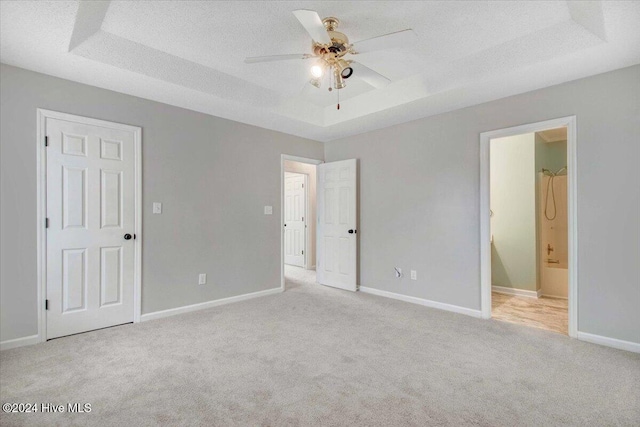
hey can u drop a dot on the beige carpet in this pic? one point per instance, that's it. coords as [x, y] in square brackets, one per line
[319, 356]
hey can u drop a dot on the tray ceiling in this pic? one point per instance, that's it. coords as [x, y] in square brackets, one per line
[190, 54]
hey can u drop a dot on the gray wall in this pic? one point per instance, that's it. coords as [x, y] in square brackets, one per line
[420, 194]
[419, 197]
[212, 175]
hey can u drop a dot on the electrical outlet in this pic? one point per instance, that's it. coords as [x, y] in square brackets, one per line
[414, 275]
[398, 272]
[202, 279]
[268, 210]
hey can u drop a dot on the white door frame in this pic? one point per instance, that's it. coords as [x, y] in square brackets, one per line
[306, 216]
[284, 157]
[41, 189]
[485, 221]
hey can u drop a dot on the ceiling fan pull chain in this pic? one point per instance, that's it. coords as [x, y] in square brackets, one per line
[338, 99]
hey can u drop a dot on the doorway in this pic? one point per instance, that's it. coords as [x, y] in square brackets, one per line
[331, 223]
[89, 211]
[528, 220]
[299, 205]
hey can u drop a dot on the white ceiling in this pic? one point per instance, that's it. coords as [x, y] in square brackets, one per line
[554, 135]
[190, 54]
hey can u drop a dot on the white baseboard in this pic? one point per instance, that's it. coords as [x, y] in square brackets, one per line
[203, 305]
[425, 302]
[554, 296]
[609, 342]
[517, 292]
[19, 342]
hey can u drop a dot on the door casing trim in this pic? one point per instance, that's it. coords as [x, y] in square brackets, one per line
[572, 196]
[41, 190]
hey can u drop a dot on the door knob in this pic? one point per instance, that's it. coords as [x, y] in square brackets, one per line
[352, 231]
[127, 236]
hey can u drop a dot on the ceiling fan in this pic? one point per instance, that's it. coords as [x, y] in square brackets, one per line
[330, 47]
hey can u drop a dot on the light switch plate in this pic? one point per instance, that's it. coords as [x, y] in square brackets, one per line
[202, 279]
[157, 207]
[414, 275]
[268, 210]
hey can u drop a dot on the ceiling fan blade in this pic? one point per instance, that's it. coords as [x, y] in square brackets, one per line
[387, 41]
[272, 58]
[374, 78]
[311, 22]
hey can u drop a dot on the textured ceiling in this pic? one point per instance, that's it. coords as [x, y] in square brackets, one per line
[190, 54]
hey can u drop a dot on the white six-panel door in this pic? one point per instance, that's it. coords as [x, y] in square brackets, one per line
[90, 206]
[294, 219]
[337, 225]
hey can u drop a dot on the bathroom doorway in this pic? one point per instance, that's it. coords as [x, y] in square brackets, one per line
[527, 267]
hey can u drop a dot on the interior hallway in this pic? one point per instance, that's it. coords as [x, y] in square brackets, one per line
[546, 313]
[298, 276]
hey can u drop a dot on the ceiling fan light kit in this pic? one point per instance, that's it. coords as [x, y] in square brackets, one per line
[316, 81]
[317, 70]
[344, 68]
[338, 81]
[330, 47]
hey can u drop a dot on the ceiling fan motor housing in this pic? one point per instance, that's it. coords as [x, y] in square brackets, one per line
[339, 41]
[339, 45]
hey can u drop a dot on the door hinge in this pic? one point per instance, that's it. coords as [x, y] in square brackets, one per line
[46, 304]
[46, 141]
[46, 223]
[302, 218]
[302, 252]
[302, 185]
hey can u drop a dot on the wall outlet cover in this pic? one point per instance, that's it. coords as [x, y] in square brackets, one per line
[157, 207]
[414, 275]
[268, 210]
[202, 279]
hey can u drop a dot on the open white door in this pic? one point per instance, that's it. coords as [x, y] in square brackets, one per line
[337, 225]
[90, 212]
[295, 202]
